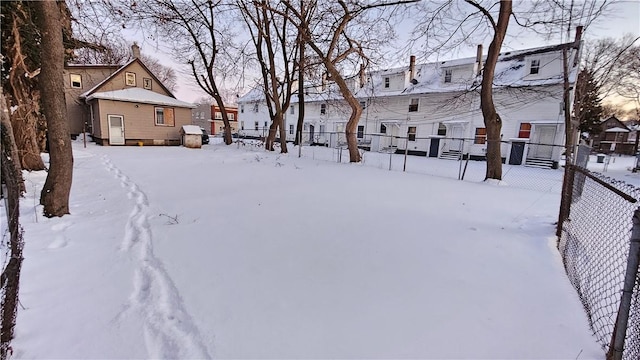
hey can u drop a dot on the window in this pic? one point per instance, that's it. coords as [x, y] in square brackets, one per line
[413, 106]
[146, 83]
[411, 132]
[218, 115]
[442, 130]
[76, 81]
[447, 75]
[255, 125]
[323, 109]
[164, 116]
[241, 125]
[360, 133]
[232, 117]
[290, 129]
[535, 66]
[292, 110]
[242, 109]
[363, 105]
[255, 107]
[387, 82]
[481, 136]
[322, 129]
[525, 131]
[130, 79]
[383, 129]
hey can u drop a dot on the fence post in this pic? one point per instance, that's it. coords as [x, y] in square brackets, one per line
[406, 151]
[616, 347]
[565, 200]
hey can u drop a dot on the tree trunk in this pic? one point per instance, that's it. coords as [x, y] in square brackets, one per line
[8, 142]
[22, 92]
[492, 120]
[57, 187]
[301, 69]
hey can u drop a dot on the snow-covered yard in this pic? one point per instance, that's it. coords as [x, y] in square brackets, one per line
[237, 253]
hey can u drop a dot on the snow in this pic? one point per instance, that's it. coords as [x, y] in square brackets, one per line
[233, 252]
[140, 96]
[192, 129]
[617, 129]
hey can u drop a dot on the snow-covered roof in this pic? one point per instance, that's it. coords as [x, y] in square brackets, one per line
[139, 95]
[192, 129]
[255, 94]
[617, 129]
[512, 70]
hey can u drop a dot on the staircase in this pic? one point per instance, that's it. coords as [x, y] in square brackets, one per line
[539, 163]
[451, 155]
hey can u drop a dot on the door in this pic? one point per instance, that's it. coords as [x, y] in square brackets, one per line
[517, 152]
[544, 137]
[116, 130]
[454, 143]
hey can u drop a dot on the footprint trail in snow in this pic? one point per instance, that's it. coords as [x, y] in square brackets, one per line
[169, 330]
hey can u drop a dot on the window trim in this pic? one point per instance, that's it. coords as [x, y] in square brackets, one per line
[217, 115]
[414, 104]
[480, 136]
[147, 83]
[79, 82]
[522, 131]
[442, 130]
[534, 67]
[412, 131]
[448, 75]
[128, 76]
[155, 116]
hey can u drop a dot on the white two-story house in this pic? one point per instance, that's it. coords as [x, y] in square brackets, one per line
[433, 109]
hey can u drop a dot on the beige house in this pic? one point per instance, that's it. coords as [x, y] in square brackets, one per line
[129, 106]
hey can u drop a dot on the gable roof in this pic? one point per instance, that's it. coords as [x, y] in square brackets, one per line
[139, 95]
[118, 72]
[614, 119]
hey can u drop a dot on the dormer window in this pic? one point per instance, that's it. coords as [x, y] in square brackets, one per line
[535, 66]
[447, 75]
[387, 82]
[413, 106]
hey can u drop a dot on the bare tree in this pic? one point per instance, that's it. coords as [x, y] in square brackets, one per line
[274, 34]
[615, 67]
[57, 187]
[447, 25]
[200, 33]
[340, 34]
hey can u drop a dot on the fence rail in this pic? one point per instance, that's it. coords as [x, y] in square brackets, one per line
[600, 256]
[436, 157]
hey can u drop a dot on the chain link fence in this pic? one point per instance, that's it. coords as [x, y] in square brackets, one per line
[598, 251]
[526, 165]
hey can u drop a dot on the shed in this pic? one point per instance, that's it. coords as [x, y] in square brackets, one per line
[191, 136]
